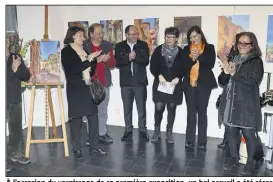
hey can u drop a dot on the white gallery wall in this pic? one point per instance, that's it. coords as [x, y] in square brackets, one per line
[31, 25]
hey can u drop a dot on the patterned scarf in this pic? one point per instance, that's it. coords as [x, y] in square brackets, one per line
[82, 54]
[238, 60]
[194, 74]
[169, 52]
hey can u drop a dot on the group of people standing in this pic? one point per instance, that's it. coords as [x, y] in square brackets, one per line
[188, 70]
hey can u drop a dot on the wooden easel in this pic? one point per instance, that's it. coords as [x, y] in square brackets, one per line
[48, 105]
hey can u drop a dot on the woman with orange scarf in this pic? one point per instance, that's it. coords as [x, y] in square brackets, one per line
[198, 84]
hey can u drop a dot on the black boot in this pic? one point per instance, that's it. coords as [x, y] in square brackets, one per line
[169, 134]
[248, 169]
[78, 154]
[224, 142]
[156, 134]
[231, 163]
[222, 145]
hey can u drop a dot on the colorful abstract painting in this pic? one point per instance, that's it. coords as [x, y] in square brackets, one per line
[148, 31]
[45, 62]
[269, 42]
[82, 24]
[112, 30]
[228, 27]
[183, 24]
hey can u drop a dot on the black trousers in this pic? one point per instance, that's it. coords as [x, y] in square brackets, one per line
[93, 127]
[128, 95]
[197, 99]
[16, 139]
[159, 110]
[251, 142]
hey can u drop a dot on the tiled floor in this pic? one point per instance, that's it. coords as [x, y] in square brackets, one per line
[130, 158]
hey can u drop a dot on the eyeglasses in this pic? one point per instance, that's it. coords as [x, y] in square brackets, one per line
[244, 44]
[170, 37]
[133, 34]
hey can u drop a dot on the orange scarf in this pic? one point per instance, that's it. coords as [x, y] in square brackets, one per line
[195, 68]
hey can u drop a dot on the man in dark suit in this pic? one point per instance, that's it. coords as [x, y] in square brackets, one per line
[132, 58]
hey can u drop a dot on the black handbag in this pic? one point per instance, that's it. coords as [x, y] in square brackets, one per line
[259, 154]
[97, 90]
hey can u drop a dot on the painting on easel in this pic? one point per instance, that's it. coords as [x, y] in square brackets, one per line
[82, 24]
[45, 61]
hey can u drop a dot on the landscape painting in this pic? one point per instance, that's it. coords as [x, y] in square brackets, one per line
[228, 27]
[45, 62]
[112, 30]
[82, 24]
[184, 24]
[269, 42]
[148, 31]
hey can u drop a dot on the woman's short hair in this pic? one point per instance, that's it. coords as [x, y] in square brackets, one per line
[198, 30]
[253, 40]
[70, 33]
[172, 31]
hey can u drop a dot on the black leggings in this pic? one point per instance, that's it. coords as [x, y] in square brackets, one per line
[159, 110]
[251, 141]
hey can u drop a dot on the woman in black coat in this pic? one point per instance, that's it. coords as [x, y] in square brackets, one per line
[198, 84]
[79, 68]
[167, 66]
[240, 102]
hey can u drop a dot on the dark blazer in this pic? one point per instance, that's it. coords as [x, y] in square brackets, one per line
[78, 95]
[139, 75]
[13, 80]
[206, 77]
[178, 69]
[245, 95]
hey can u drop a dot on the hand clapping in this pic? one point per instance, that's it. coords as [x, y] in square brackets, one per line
[15, 63]
[231, 68]
[104, 58]
[94, 55]
[132, 55]
[195, 54]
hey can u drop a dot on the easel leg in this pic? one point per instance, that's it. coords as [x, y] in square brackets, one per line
[52, 112]
[30, 120]
[62, 120]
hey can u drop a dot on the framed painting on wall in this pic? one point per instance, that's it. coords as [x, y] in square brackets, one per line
[184, 24]
[82, 24]
[148, 31]
[112, 30]
[269, 42]
[228, 27]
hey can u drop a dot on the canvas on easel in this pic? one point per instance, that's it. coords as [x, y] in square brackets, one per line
[45, 62]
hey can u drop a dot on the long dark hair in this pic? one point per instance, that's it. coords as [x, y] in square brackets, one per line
[198, 30]
[253, 40]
